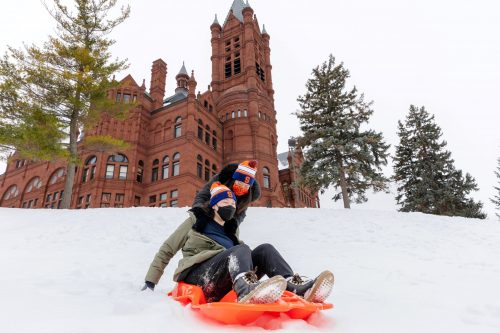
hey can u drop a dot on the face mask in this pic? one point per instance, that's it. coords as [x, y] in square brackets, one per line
[239, 190]
[226, 212]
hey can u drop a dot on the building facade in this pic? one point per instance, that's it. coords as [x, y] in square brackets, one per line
[176, 143]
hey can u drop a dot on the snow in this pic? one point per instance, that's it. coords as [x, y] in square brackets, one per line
[81, 271]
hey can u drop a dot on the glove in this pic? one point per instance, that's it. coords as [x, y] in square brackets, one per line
[148, 285]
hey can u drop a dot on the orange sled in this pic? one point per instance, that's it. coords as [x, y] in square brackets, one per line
[229, 311]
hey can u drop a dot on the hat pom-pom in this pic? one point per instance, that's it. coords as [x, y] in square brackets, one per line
[252, 164]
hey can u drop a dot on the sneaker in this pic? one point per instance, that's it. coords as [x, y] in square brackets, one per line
[250, 290]
[316, 291]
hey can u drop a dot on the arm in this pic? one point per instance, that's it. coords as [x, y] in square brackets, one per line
[169, 248]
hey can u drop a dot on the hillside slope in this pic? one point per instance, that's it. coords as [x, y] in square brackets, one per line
[81, 271]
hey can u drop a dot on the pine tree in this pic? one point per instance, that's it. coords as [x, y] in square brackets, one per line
[337, 150]
[50, 93]
[425, 173]
[496, 198]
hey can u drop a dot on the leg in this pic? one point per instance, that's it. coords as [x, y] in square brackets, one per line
[216, 275]
[270, 262]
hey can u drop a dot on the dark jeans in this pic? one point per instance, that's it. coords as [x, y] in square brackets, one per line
[216, 275]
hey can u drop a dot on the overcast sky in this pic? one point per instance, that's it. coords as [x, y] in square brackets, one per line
[444, 55]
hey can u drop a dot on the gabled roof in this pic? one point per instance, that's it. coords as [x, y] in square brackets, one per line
[128, 81]
[283, 161]
[237, 9]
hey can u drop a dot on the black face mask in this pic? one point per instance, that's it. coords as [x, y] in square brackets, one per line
[226, 212]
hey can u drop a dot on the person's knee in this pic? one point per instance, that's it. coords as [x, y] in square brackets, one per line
[241, 248]
[265, 248]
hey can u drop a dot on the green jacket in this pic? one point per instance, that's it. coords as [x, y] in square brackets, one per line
[195, 246]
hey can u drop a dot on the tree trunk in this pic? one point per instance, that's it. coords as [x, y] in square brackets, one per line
[343, 187]
[70, 171]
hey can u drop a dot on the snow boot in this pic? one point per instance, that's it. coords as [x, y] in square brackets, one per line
[315, 291]
[250, 290]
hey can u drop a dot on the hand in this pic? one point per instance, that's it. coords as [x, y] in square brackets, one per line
[148, 285]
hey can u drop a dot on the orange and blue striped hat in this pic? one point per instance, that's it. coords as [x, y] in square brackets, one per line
[220, 192]
[246, 172]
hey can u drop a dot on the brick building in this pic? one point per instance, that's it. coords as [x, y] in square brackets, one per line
[176, 143]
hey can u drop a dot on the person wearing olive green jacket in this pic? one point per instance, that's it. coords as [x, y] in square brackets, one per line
[216, 260]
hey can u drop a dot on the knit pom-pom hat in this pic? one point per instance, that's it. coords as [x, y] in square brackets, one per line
[220, 192]
[246, 172]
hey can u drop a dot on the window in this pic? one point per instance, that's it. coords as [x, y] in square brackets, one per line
[214, 140]
[173, 203]
[126, 98]
[140, 172]
[267, 177]
[237, 66]
[178, 127]
[174, 194]
[123, 172]
[165, 168]
[57, 176]
[110, 170]
[106, 197]
[205, 104]
[34, 185]
[239, 113]
[11, 193]
[119, 197]
[176, 165]
[210, 108]
[199, 166]
[200, 129]
[227, 70]
[214, 170]
[207, 138]
[119, 160]
[163, 196]
[245, 114]
[152, 199]
[137, 201]
[207, 170]
[118, 97]
[154, 171]
[232, 115]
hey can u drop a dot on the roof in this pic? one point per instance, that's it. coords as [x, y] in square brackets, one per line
[283, 161]
[183, 70]
[237, 8]
[178, 96]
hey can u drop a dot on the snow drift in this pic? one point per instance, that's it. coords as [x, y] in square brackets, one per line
[81, 271]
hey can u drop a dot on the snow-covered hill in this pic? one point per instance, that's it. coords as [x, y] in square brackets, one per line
[81, 271]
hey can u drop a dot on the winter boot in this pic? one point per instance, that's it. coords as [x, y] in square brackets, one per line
[250, 290]
[315, 291]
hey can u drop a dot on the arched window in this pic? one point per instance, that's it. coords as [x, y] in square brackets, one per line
[232, 114]
[89, 169]
[165, 167]
[260, 114]
[57, 176]
[245, 113]
[120, 161]
[214, 170]
[178, 127]
[239, 113]
[176, 170]
[199, 166]
[154, 171]
[214, 140]
[11, 193]
[207, 135]
[34, 185]
[200, 129]
[207, 170]
[267, 177]
[140, 171]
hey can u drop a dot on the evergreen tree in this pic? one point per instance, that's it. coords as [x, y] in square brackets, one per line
[424, 170]
[49, 93]
[337, 150]
[496, 198]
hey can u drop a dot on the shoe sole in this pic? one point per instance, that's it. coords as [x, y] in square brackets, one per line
[269, 291]
[321, 289]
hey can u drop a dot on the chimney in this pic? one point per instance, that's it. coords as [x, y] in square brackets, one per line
[158, 78]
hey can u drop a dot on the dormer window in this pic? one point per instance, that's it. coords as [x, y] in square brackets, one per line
[126, 98]
[118, 97]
